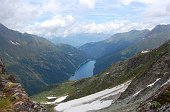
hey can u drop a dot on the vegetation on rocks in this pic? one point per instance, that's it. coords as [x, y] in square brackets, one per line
[13, 97]
[162, 99]
[159, 102]
[5, 103]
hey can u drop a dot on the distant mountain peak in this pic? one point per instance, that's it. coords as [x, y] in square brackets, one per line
[162, 28]
[2, 26]
[162, 25]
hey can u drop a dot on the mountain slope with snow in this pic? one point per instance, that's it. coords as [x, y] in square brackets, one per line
[148, 71]
[95, 101]
[151, 79]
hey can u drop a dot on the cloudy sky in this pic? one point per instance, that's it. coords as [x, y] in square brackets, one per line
[50, 18]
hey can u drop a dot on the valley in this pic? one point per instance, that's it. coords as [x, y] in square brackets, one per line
[147, 70]
[35, 61]
[84, 56]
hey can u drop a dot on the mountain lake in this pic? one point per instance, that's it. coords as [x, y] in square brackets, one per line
[85, 70]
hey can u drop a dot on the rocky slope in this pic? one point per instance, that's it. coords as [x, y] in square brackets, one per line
[158, 102]
[13, 97]
[151, 76]
[35, 61]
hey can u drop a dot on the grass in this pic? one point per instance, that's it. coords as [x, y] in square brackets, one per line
[155, 104]
[57, 91]
[49, 108]
[5, 103]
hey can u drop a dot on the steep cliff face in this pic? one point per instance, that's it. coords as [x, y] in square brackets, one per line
[13, 97]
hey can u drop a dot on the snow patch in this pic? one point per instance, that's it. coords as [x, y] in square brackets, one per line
[150, 85]
[15, 43]
[71, 54]
[137, 93]
[51, 97]
[168, 81]
[60, 99]
[107, 73]
[146, 51]
[57, 100]
[92, 102]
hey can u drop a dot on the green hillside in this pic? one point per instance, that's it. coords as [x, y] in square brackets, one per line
[35, 61]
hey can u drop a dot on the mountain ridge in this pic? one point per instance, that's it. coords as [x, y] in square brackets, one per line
[121, 49]
[77, 40]
[35, 61]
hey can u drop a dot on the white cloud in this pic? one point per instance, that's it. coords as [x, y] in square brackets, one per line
[128, 2]
[113, 27]
[15, 13]
[65, 25]
[158, 9]
[103, 27]
[64, 17]
[155, 11]
[87, 3]
[154, 8]
[52, 27]
[52, 6]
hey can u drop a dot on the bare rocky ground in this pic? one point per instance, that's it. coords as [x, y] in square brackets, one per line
[149, 92]
[13, 97]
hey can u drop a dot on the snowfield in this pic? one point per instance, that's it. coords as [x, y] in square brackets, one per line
[95, 101]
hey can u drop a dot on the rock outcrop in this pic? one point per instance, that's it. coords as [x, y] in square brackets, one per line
[2, 67]
[13, 97]
[159, 102]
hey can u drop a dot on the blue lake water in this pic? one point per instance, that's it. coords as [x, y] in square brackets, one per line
[86, 70]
